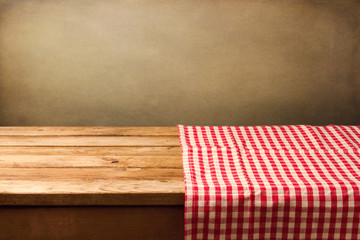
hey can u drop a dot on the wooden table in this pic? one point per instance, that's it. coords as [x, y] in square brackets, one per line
[91, 183]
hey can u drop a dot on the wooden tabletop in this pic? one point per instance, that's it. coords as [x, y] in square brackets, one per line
[90, 166]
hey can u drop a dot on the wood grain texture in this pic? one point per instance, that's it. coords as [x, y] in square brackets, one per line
[47, 166]
[95, 223]
[88, 131]
[38, 141]
[108, 161]
[92, 151]
[89, 174]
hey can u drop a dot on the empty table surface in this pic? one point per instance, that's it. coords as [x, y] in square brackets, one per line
[61, 166]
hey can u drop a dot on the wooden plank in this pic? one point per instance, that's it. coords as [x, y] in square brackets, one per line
[88, 131]
[92, 151]
[133, 187]
[90, 174]
[109, 161]
[162, 141]
[87, 186]
[95, 223]
[88, 192]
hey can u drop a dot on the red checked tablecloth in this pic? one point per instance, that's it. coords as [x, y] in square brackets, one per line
[271, 182]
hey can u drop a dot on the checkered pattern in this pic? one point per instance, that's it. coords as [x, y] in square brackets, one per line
[271, 182]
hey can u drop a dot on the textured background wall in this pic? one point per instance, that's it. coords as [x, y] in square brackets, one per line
[151, 62]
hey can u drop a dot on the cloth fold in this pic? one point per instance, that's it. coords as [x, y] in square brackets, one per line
[271, 182]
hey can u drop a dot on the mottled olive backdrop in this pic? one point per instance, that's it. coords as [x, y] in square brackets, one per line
[164, 62]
